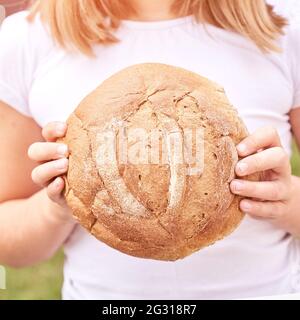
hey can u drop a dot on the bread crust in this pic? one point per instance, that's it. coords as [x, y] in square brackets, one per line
[155, 211]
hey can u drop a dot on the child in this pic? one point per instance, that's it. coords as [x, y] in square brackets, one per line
[48, 65]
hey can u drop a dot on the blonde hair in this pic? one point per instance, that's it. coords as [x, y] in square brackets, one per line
[83, 23]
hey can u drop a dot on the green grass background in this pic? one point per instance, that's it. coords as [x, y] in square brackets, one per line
[44, 281]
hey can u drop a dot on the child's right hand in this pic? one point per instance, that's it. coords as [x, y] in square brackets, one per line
[53, 161]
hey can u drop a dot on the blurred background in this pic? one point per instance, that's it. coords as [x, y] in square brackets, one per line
[12, 6]
[44, 281]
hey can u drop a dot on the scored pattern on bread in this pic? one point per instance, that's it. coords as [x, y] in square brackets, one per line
[178, 170]
[163, 211]
[107, 165]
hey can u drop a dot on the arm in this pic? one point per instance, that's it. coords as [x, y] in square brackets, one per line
[295, 123]
[32, 227]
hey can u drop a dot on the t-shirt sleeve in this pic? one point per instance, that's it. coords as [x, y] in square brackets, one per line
[291, 9]
[15, 63]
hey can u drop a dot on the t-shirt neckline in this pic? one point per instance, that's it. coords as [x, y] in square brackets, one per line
[161, 24]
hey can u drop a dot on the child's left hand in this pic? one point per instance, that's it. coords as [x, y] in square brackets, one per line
[277, 195]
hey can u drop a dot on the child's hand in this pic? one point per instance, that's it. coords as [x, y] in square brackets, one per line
[273, 196]
[53, 161]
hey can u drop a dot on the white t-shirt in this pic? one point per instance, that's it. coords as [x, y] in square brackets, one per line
[42, 81]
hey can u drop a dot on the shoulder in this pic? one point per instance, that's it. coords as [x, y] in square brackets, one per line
[290, 9]
[23, 46]
[17, 26]
[292, 40]
[17, 33]
[13, 29]
[17, 20]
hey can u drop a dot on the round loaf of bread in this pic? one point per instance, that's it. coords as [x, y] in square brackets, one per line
[152, 153]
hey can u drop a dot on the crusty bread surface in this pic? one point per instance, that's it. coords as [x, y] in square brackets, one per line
[162, 210]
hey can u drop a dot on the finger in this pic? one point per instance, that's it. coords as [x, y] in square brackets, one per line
[45, 151]
[275, 159]
[54, 130]
[264, 210]
[42, 174]
[264, 190]
[262, 138]
[55, 189]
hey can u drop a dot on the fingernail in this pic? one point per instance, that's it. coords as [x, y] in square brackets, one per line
[242, 167]
[62, 149]
[61, 164]
[242, 147]
[238, 185]
[61, 127]
[246, 206]
[57, 183]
